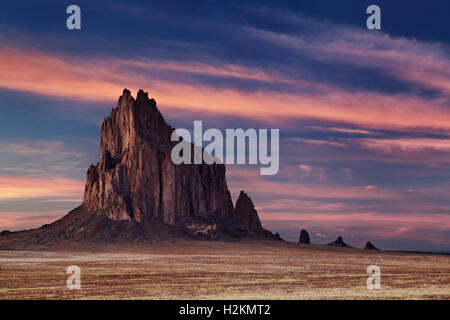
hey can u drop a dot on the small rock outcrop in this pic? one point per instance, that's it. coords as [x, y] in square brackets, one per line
[339, 242]
[370, 246]
[304, 237]
[136, 179]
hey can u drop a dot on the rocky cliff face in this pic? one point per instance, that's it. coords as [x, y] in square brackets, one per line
[136, 179]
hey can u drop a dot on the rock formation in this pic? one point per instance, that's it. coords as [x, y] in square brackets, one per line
[370, 246]
[136, 192]
[339, 242]
[304, 237]
[136, 179]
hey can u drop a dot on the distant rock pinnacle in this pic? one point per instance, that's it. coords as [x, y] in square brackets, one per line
[304, 237]
[246, 214]
[339, 242]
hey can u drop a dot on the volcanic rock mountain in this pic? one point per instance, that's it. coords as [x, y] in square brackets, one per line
[136, 192]
[136, 179]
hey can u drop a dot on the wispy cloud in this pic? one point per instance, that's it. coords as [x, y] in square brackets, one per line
[413, 61]
[342, 130]
[318, 142]
[406, 144]
[14, 221]
[301, 189]
[43, 158]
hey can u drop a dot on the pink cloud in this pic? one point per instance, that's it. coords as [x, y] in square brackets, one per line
[305, 167]
[319, 142]
[406, 144]
[24, 220]
[194, 67]
[410, 60]
[368, 219]
[260, 185]
[342, 130]
[431, 152]
[93, 79]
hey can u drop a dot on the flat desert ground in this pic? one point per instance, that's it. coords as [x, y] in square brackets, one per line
[250, 269]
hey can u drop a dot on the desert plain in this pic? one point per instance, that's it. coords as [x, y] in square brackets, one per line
[250, 269]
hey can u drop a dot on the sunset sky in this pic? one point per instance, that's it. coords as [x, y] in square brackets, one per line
[364, 116]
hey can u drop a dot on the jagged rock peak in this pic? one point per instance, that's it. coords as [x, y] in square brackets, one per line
[304, 237]
[370, 246]
[246, 214]
[136, 179]
[131, 117]
[339, 242]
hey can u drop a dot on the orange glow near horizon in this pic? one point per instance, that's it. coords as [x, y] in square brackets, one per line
[19, 187]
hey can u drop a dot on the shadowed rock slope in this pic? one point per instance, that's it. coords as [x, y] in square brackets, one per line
[136, 193]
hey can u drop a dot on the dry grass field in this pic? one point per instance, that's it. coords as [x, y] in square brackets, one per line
[217, 270]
